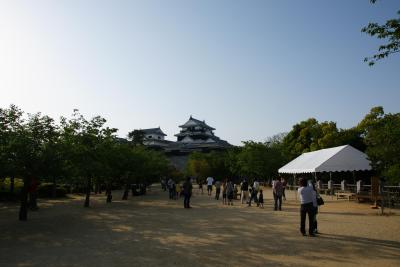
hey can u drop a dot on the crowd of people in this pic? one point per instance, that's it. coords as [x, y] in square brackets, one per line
[251, 193]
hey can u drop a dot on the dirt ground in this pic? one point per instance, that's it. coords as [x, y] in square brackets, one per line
[152, 230]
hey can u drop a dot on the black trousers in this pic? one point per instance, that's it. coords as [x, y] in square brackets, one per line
[186, 200]
[217, 192]
[277, 199]
[307, 209]
[253, 196]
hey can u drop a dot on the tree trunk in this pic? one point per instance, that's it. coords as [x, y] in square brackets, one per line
[126, 192]
[54, 192]
[88, 189]
[109, 193]
[12, 184]
[23, 210]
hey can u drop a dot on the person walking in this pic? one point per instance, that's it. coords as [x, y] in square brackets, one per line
[244, 190]
[171, 188]
[256, 188]
[317, 201]
[217, 189]
[277, 190]
[261, 199]
[210, 182]
[306, 196]
[229, 192]
[284, 184]
[256, 185]
[253, 195]
[224, 193]
[200, 182]
[177, 190]
[187, 193]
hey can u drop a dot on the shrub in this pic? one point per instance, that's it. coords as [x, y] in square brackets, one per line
[5, 185]
[45, 190]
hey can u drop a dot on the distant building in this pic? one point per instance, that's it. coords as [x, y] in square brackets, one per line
[195, 135]
[154, 138]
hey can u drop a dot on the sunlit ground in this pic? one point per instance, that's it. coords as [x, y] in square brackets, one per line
[155, 231]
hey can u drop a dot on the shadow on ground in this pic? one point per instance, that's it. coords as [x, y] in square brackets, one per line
[154, 231]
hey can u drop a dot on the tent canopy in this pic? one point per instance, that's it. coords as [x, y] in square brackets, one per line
[336, 159]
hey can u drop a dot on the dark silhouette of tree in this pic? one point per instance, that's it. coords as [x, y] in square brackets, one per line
[136, 137]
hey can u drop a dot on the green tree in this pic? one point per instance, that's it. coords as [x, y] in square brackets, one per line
[308, 136]
[27, 156]
[136, 137]
[83, 140]
[198, 166]
[11, 120]
[382, 137]
[389, 31]
[260, 160]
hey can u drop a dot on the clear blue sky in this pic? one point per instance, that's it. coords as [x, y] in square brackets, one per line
[251, 69]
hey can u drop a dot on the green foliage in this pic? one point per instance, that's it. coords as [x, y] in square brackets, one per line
[389, 31]
[72, 152]
[5, 185]
[253, 160]
[310, 135]
[136, 137]
[198, 166]
[382, 137]
[260, 160]
[215, 163]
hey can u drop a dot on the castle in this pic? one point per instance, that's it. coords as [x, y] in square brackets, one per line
[195, 135]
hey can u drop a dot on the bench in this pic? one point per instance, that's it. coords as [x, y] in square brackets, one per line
[325, 191]
[345, 195]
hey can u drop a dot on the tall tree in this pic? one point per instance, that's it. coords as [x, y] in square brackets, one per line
[84, 139]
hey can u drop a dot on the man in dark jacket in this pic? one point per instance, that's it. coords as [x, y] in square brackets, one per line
[187, 192]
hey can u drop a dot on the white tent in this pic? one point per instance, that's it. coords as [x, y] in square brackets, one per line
[336, 159]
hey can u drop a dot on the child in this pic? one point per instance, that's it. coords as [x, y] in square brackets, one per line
[178, 190]
[261, 199]
[224, 194]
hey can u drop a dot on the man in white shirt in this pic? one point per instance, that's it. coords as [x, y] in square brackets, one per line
[308, 201]
[210, 182]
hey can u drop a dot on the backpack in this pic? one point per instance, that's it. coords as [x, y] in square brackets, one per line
[320, 201]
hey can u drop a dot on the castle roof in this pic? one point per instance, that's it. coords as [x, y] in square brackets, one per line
[154, 131]
[195, 122]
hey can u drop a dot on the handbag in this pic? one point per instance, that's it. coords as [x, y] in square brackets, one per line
[320, 201]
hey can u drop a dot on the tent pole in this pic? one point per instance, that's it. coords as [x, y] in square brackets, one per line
[330, 179]
[294, 186]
